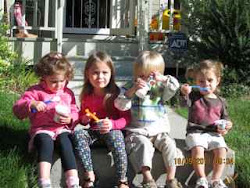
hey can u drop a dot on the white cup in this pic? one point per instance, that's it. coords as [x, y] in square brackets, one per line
[141, 93]
[61, 110]
[122, 103]
[221, 123]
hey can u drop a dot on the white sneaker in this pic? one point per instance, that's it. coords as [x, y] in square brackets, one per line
[201, 183]
[218, 184]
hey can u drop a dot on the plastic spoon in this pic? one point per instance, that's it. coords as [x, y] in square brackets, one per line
[53, 99]
[200, 88]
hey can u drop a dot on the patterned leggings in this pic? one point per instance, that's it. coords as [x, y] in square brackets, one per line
[115, 143]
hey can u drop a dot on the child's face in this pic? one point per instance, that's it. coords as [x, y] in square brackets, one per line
[56, 82]
[208, 80]
[143, 75]
[99, 75]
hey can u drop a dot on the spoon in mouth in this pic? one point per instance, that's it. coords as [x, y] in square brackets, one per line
[200, 88]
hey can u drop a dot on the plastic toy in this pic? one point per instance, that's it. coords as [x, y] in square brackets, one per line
[92, 115]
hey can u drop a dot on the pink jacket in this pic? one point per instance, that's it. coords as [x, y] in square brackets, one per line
[43, 121]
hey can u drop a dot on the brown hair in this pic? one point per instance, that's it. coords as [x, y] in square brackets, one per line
[210, 65]
[52, 63]
[111, 90]
[204, 67]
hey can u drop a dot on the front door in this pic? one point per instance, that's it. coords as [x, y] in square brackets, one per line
[98, 16]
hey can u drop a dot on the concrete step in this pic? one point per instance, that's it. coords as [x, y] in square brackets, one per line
[123, 64]
[105, 172]
[85, 45]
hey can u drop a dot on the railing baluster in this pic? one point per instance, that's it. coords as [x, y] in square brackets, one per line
[56, 18]
[46, 13]
[73, 13]
[98, 13]
[23, 13]
[106, 14]
[35, 12]
[81, 14]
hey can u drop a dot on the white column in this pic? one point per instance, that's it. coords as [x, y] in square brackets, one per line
[143, 24]
[59, 25]
[171, 16]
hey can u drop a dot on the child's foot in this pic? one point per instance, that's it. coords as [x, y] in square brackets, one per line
[218, 184]
[201, 183]
[149, 184]
[44, 183]
[173, 184]
[88, 183]
[123, 184]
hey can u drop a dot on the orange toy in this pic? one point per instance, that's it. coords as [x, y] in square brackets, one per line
[91, 115]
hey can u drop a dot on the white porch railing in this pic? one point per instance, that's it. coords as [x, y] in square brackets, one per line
[47, 15]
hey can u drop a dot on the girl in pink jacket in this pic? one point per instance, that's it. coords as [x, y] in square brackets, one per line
[105, 121]
[53, 114]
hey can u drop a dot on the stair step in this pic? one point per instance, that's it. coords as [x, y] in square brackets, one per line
[123, 65]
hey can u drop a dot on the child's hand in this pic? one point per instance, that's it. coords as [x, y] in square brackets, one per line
[85, 119]
[227, 128]
[186, 89]
[38, 105]
[158, 77]
[62, 119]
[140, 83]
[106, 126]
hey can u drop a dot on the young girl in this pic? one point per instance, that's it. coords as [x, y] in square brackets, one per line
[48, 127]
[98, 94]
[204, 131]
[150, 127]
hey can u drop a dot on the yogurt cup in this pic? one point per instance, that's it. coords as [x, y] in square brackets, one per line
[221, 123]
[122, 103]
[141, 93]
[60, 110]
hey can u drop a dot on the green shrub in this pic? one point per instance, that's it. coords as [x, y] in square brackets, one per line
[14, 75]
[219, 29]
[234, 90]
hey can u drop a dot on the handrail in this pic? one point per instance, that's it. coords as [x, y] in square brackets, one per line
[36, 25]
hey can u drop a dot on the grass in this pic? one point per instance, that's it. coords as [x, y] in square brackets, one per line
[16, 165]
[238, 138]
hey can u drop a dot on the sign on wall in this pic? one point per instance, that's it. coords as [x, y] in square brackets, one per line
[178, 42]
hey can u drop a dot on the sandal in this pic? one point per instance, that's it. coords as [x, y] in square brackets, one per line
[123, 184]
[88, 183]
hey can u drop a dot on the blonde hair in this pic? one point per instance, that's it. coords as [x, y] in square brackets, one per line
[111, 90]
[53, 63]
[148, 61]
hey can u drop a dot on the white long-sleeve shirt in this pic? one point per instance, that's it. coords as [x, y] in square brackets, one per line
[149, 116]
